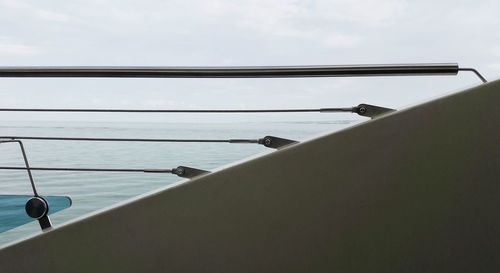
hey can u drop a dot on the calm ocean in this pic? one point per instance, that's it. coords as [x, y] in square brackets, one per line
[93, 191]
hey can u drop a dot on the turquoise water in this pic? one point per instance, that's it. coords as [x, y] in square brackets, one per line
[93, 191]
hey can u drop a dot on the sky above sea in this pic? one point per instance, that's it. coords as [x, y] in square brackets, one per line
[239, 33]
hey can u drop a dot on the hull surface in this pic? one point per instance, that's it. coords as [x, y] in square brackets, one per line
[417, 190]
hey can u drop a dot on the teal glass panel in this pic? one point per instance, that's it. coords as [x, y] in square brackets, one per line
[13, 213]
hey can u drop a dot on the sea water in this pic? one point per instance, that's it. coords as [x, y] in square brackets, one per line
[91, 191]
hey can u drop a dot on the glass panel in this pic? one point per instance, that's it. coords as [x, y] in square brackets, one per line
[13, 214]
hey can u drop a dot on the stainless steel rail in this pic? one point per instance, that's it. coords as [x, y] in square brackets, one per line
[232, 72]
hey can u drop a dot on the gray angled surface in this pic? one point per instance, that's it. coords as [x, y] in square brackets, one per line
[417, 190]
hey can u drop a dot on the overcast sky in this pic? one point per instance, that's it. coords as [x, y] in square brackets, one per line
[242, 32]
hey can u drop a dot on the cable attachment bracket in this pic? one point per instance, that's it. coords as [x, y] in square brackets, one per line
[276, 142]
[371, 111]
[188, 172]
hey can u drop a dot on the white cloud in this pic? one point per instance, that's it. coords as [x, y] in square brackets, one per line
[53, 16]
[13, 4]
[342, 40]
[495, 51]
[8, 47]
[495, 67]
[361, 12]
[312, 21]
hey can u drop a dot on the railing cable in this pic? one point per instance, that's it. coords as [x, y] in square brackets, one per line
[131, 139]
[182, 171]
[268, 141]
[88, 169]
[363, 109]
[323, 110]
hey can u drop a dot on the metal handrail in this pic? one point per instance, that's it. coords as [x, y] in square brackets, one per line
[232, 72]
